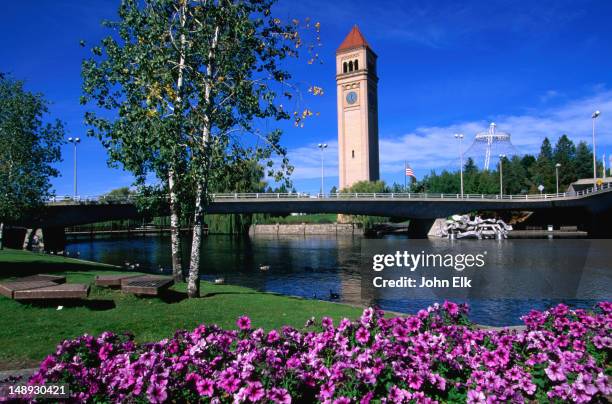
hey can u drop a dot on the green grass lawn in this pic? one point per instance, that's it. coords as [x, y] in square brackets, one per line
[29, 332]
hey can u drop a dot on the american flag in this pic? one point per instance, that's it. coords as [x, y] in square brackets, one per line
[410, 172]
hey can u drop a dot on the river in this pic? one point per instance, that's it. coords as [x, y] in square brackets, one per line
[317, 267]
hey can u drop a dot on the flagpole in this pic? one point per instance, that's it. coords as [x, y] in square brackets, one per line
[405, 175]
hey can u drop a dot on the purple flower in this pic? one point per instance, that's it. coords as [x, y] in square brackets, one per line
[349, 363]
[555, 372]
[451, 308]
[327, 390]
[254, 391]
[156, 393]
[205, 387]
[413, 323]
[273, 336]
[279, 395]
[476, 397]
[362, 335]
[243, 323]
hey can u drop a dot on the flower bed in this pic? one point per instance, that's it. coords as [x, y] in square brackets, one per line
[436, 355]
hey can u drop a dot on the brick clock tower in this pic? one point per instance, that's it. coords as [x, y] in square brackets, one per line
[357, 87]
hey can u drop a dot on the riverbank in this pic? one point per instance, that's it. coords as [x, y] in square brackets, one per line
[30, 332]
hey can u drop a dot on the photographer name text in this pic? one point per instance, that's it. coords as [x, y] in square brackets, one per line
[406, 261]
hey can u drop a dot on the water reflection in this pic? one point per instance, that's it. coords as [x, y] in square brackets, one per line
[310, 267]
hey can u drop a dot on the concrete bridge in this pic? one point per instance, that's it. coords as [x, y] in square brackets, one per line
[589, 210]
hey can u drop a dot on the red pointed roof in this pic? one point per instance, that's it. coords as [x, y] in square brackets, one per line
[354, 39]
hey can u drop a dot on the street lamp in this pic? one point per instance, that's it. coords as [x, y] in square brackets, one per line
[501, 175]
[460, 137]
[593, 117]
[75, 141]
[557, 175]
[322, 146]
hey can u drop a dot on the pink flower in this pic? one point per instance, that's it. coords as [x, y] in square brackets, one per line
[243, 323]
[273, 336]
[554, 371]
[279, 395]
[362, 335]
[205, 387]
[451, 308]
[254, 391]
[327, 390]
[156, 393]
[476, 397]
[413, 323]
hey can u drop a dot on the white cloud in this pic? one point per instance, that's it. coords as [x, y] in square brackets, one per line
[307, 160]
[428, 148]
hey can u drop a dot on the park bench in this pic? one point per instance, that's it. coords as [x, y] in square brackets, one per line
[149, 285]
[112, 280]
[42, 286]
[63, 291]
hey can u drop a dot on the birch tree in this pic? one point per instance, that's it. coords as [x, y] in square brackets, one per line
[29, 147]
[138, 74]
[189, 81]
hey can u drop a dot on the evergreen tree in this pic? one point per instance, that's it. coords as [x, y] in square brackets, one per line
[515, 176]
[543, 172]
[565, 154]
[583, 161]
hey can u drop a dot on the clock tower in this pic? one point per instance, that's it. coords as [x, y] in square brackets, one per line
[357, 87]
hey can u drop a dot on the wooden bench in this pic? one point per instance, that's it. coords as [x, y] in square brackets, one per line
[149, 285]
[8, 289]
[112, 280]
[55, 292]
[42, 277]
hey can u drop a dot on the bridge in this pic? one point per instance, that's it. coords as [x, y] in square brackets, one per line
[67, 211]
[589, 210]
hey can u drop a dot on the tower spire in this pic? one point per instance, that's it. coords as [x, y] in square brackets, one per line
[354, 39]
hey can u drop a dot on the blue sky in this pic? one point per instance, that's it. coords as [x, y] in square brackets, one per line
[535, 68]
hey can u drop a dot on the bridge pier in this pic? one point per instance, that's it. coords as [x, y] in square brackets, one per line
[419, 228]
[54, 238]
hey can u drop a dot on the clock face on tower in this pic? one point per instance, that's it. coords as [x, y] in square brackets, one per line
[351, 97]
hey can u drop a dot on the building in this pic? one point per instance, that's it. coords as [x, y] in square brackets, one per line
[357, 89]
[586, 183]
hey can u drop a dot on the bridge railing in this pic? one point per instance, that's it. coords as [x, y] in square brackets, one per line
[341, 196]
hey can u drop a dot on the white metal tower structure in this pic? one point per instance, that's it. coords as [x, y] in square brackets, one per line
[490, 140]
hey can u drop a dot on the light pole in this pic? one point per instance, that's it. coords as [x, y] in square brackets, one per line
[75, 141]
[322, 146]
[593, 117]
[501, 175]
[460, 137]
[557, 175]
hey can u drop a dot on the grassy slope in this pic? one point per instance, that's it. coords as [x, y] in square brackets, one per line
[29, 332]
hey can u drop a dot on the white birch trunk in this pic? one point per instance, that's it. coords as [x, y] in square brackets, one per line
[1, 234]
[193, 283]
[175, 230]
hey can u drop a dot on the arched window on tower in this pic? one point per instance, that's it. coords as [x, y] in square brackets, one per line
[356, 65]
[353, 153]
[344, 67]
[351, 66]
